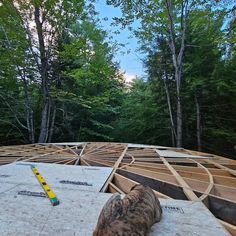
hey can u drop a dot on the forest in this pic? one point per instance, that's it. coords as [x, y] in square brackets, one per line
[59, 80]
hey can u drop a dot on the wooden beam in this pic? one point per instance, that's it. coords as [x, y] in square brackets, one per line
[126, 184]
[232, 172]
[214, 171]
[211, 182]
[83, 162]
[47, 154]
[72, 151]
[116, 165]
[81, 153]
[114, 189]
[91, 150]
[133, 160]
[169, 189]
[229, 227]
[187, 190]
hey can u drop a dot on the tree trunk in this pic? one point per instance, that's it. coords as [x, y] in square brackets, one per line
[179, 123]
[52, 123]
[29, 112]
[198, 124]
[177, 58]
[45, 114]
[179, 116]
[44, 122]
[173, 132]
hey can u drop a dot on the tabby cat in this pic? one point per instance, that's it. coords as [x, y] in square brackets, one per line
[133, 215]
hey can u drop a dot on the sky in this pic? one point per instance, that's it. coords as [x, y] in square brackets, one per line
[130, 63]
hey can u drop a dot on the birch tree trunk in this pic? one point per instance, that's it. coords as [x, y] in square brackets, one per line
[29, 112]
[45, 114]
[179, 115]
[173, 132]
[177, 58]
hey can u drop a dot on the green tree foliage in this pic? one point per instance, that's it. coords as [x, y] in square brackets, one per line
[143, 117]
[59, 81]
[207, 90]
[90, 83]
[207, 80]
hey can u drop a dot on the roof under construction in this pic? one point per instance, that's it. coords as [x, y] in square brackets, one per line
[83, 176]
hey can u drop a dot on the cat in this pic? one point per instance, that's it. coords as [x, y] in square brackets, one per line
[133, 215]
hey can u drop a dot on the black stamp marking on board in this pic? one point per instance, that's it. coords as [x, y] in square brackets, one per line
[4, 176]
[32, 194]
[173, 209]
[75, 182]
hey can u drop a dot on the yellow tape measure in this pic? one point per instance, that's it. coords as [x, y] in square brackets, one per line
[51, 195]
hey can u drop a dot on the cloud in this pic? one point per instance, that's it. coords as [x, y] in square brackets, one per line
[129, 77]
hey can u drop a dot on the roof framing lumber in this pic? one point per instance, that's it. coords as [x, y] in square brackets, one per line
[187, 190]
[116, 165]
[211, 181]
[232, 172]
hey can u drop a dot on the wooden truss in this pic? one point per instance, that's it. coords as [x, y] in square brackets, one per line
[170, 172]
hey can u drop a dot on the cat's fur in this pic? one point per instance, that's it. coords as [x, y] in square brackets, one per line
[133, 215]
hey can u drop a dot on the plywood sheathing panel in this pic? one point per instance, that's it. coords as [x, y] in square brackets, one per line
[178, 219]
[78, 212]
[55, 175]
[174, 154]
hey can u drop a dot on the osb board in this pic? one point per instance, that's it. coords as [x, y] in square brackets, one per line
[28, 215]
[59, 176]
[186, 218]
[78, 211]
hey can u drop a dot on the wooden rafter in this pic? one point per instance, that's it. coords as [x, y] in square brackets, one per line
[187, 190]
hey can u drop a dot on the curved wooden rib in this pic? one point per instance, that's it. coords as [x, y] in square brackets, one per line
[133, 160]
[187, 190]
[211, 181]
